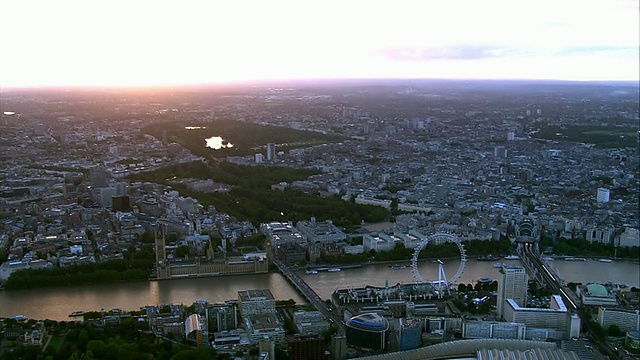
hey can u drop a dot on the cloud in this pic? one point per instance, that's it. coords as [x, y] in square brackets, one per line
[610, 50]
[456, 52]
[478, 52]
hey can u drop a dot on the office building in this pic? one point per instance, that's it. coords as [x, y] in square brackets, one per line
[271, 152]
[499, 152]
[105, 195]
[626, 320]
[120, 203]
[310, 322]
[410, 334]
[555, 320]
[512, 284]
[601, 234]
[98, 177]
[264, 326]
[492, 330]
[339, 347]
[255, 302]
[630, 237]
[307, 347]
[223, 317]
[603, 195]
[120, 188]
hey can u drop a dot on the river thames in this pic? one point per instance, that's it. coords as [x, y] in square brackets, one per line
[58, 303]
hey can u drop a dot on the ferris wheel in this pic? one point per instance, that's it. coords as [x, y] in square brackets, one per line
[442, 282]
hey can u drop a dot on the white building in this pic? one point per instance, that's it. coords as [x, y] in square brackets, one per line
[381, 242]
[513, 284]
[555, 318]
[603, 235]
[266, 325]
[353, 249]
[367, 200]
[320, 232]
[603, 195]
[252, 302]
[626, 320]
[492, 330]
[9, 267]
[630, 237]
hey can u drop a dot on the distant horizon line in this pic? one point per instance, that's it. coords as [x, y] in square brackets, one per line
[309, 81]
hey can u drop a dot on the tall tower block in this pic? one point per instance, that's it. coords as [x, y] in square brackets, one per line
[513, 284]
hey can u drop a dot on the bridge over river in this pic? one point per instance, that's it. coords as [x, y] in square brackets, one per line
[545, 275]
[310, 294]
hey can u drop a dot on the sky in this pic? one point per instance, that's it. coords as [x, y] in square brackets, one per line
[171, 42]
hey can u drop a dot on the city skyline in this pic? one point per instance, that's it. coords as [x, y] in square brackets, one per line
[145, 43]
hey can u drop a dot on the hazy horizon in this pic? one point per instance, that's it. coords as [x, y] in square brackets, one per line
[325, 83]
[143, 43]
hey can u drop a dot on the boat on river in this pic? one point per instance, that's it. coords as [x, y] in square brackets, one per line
[311, 272]
[333, 269]
[398, 266]
[604, 260]
[512, 257]
[498, 265]
[571, 258]
[76, 313]
[488, 258]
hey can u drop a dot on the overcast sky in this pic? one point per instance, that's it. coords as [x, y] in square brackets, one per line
[151, 42]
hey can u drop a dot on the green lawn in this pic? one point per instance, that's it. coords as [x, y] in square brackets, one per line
[56, 341]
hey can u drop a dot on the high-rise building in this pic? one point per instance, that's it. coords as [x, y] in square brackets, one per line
[223, 317]
[603, 195]
[499, 152]
[121, 188]
[511, 136]
[339, 347]
[98, 177]
[308, 347]
[271, 151]
[105, 196]
[410, 334]
[513, 284]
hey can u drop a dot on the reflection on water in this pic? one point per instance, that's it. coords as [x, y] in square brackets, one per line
[217, 143]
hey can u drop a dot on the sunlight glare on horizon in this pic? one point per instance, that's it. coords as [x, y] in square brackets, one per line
[147, 43]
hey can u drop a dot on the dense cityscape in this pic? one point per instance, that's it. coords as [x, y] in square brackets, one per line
[107, 186]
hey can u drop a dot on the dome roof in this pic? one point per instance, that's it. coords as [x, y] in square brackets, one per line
[369, 320]
[597, 290]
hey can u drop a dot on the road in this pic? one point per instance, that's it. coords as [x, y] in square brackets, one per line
[310, 294]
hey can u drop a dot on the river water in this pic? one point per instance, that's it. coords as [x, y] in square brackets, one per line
[58, 303]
